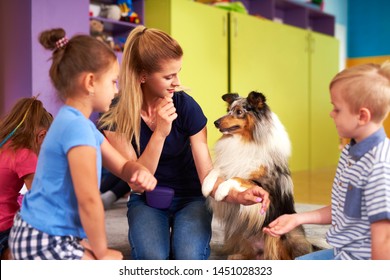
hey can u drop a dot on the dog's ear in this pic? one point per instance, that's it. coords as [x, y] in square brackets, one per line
[230, 97]
[256, 99]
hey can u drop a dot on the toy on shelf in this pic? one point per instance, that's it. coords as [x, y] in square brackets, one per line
[316, 4]
[111, 12]
[234, 6]
[237, 6]
[127, 11]
[96, 29]
[211, 1]
[106, 11]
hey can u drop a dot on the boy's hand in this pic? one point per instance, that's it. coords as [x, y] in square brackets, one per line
[281, 225]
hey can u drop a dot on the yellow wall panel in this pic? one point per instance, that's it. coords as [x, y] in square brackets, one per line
[273, 59]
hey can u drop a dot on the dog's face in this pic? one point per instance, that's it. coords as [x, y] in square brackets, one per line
[243, 114]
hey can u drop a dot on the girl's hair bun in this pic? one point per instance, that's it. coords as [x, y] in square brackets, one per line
[49, 38]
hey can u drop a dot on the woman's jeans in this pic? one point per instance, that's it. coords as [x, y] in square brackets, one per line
[181, 232]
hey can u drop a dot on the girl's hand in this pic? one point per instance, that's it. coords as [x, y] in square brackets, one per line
[166, 114]
[142, 180]
[282, 225]
[112, 255]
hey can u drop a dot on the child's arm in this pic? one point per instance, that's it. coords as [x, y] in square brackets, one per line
[380, 240]
[130, 171]
[28, 180]
[120, 143]
[82, 164]
[286, 223]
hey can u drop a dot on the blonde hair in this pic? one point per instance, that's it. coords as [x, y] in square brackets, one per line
[22, 124]
[144, 52]
[368, 86]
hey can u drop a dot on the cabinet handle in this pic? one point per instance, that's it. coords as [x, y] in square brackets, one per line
[312, 44]
[235, 23]
[224, 26]
[307, 45]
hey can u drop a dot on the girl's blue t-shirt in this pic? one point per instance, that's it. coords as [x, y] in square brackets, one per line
[51, 204]
[176, 167]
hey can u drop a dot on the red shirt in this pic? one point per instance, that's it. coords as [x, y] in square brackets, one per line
[13, 167]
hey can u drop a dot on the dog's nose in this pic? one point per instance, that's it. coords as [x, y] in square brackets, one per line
[217, 123]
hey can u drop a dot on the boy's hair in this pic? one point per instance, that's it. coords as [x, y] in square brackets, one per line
[82, 53]
[23, 123]
[366, 86]
[144, 52]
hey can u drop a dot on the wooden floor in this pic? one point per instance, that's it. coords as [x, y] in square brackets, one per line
[313, 187]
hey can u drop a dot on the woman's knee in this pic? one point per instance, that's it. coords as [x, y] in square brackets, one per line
[192, 252]
[149, 253]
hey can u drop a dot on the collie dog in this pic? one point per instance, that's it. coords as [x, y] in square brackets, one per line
[253, 151]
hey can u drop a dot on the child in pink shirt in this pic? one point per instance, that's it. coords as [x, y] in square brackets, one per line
[22, 133]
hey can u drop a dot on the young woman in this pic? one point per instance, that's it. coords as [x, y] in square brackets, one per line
[165, 130]
[64, 205]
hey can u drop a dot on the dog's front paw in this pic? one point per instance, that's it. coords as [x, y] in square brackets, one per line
[224, 188]
[209, 182]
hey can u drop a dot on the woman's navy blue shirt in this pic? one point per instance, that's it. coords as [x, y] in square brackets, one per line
[176, 167]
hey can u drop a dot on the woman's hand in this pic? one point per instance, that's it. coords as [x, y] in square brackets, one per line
[166, 114]
[250, 196]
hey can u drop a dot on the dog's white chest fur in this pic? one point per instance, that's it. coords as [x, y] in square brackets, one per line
[236, 159]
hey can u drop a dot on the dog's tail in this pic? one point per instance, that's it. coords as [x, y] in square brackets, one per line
[288, 246]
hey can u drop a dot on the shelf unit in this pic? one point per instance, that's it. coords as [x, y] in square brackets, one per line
[115, 27]
[292, 13]
[119, 30]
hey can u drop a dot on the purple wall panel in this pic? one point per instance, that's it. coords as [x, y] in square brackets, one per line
[72, 15]
[24, 63]
[15, 52]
